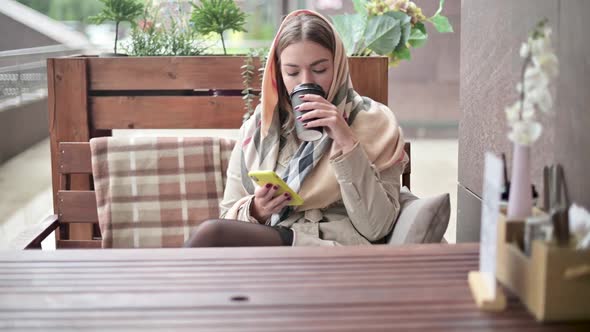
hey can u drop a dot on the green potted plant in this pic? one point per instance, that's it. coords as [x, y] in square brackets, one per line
[174, 36]
[118, 11]
[387, 27]
[218, 16]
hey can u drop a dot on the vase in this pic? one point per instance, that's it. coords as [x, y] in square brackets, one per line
[520, 201]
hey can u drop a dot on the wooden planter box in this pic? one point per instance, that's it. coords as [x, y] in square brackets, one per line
[553, 282]
[90, 96]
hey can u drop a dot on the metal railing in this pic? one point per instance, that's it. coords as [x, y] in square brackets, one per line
[23, 73]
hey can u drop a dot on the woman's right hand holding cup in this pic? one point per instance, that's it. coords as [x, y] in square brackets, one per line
[265, 204]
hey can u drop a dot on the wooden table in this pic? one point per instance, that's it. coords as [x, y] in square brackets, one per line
[379, 288]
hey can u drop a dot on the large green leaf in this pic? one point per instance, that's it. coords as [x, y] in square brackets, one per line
[441, 23]
[440, 7]
[403, 53]
[360, 6]
[420, 26]
[405, 37]
[400, 16]
[383, 34]
[418, 36]
[405, 24]
[350, 28]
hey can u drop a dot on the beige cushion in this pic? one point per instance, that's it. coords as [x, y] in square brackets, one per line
[421, 220]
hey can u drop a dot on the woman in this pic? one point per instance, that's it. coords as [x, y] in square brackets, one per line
[349, 178]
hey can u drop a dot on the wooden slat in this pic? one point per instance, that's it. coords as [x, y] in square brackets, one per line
[78, 244]
[77, 206]
[68, 121]
[187, 73]
[433, 251]
[195, 112]
[350, 317]
[408, 150]
[406, 180]
[75, 158]
[214, 275]
[208, 257]
[168, 73]
[53, 143]
[162, 112]
[369, 77]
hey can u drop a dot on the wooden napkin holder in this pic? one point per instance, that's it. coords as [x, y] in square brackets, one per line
[553, 282]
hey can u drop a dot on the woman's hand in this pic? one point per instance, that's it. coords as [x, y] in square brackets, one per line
[322, 113]
[265, 204]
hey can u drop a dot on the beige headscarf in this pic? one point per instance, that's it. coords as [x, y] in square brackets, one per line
[373, 124]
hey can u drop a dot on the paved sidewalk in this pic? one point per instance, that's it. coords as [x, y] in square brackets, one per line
[25, 180]
[25, 190]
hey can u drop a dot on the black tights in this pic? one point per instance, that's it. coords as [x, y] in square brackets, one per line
[233, 233]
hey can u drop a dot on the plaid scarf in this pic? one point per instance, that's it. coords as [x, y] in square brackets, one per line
[262, 134]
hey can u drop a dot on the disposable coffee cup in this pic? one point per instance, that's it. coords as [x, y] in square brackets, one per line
[305, 134]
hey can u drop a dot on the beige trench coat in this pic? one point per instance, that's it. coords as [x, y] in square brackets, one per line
[366, 213]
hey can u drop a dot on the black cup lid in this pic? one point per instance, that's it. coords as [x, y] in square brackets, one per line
[307, 86]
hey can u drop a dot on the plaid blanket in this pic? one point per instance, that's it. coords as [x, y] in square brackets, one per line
[151, 192]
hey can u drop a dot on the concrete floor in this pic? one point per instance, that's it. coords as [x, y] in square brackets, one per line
[25, 190]
[25, 180]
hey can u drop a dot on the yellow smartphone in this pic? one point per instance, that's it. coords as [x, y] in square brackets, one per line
[263, 177]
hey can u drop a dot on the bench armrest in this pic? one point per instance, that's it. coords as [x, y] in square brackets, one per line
[32, 236]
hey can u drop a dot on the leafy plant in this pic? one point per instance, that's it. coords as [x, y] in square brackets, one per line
[150, 37]
[248, 73]
[146, 39]
[387, 27]
[218, 16]
[182, 40]
[118, 11]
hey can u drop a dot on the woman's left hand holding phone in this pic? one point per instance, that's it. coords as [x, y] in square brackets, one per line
[265, 204]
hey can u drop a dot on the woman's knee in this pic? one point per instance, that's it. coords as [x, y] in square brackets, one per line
[208, 234]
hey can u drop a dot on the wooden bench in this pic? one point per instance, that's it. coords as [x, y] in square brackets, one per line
[90, 96]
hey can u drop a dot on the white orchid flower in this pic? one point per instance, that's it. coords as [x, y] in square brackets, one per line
[540, 46]
[541, 65]
[544, 101]
[534, 78]
[528, 110]
[513, 112]
[524, 50]
[525, 132]
[548, 63]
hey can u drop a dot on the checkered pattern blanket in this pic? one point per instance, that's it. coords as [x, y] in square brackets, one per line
[151, 192]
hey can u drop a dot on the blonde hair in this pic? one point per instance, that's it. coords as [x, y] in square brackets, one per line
[299, 28]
